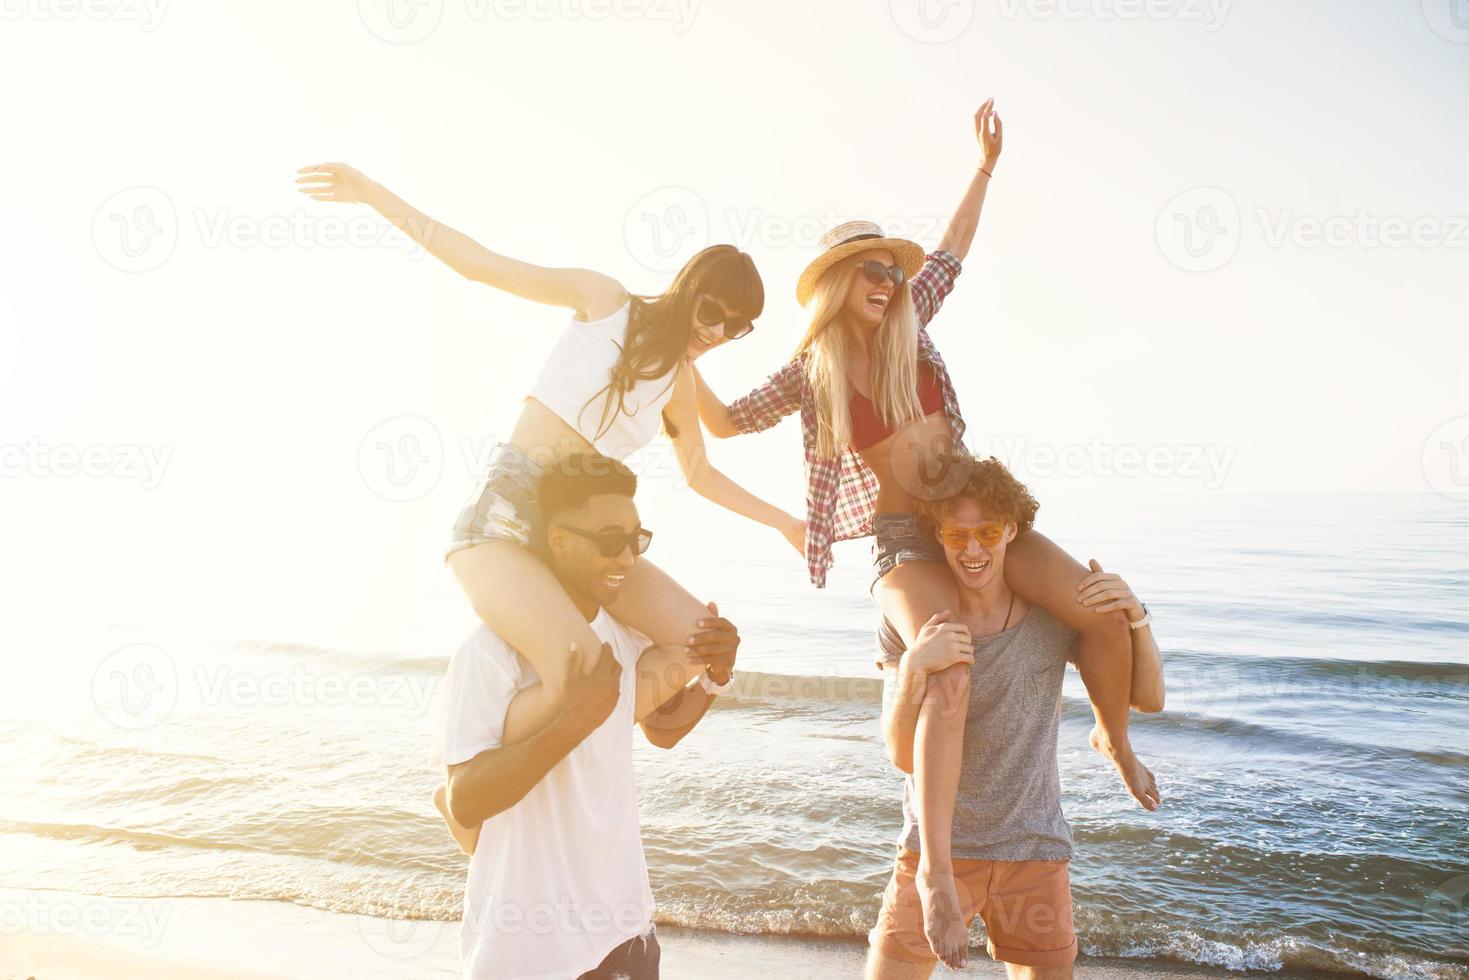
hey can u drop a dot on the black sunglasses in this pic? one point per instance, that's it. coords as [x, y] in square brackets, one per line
[876, 272]
[611, 543]
[711, 314]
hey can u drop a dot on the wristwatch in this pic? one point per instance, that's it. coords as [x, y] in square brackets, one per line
[1147, 618]
[707, 683]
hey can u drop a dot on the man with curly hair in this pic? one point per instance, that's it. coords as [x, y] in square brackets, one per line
[991, 671]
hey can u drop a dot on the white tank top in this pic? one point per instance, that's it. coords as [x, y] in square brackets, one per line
[573, 385]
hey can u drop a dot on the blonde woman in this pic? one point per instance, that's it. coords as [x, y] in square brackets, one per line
[879, 418]
[622, 369]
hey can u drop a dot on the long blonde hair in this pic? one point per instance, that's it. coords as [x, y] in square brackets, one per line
[827, 348]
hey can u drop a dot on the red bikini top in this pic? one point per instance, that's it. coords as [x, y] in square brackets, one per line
[868, 428]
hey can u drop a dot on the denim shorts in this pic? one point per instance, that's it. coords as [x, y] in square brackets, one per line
[902, 537]
[504, 506]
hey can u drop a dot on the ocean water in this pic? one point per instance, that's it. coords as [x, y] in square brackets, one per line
[1314, 756]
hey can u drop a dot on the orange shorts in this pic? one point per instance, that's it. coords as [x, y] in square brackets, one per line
[1025, 905]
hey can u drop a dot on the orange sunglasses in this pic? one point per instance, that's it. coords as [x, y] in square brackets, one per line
[988, 534]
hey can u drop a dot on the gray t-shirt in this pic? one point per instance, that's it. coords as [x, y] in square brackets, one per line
[1009, 805]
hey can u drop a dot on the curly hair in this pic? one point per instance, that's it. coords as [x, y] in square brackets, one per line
[993, 487]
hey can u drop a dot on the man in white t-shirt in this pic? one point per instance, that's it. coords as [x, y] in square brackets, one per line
[557, 883]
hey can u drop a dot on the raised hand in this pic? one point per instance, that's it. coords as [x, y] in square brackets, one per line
[991, 133]
[335, 182]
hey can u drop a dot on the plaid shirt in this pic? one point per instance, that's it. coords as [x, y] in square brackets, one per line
[841, 494]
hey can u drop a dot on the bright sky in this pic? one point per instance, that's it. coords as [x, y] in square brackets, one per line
[1149, 275]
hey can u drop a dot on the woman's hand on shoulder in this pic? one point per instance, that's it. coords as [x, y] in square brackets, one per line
[940, 644]
[1105, 592]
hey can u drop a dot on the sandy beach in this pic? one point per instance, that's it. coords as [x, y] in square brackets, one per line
[78, 937]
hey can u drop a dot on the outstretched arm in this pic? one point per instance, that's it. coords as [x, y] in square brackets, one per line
[682, 421]
[762, 408]
[960, 233]
[1106, 592]
[591, 294]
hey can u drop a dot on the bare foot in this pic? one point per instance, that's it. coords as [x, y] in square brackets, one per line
[943, 918]
[466, 837]
[1137, 777]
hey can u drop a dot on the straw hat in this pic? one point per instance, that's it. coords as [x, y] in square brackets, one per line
[849, 239]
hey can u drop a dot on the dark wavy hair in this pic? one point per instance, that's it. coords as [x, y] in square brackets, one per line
[993, 487]
[659, 327]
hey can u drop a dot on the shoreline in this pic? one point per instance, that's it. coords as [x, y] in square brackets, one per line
[52, 935]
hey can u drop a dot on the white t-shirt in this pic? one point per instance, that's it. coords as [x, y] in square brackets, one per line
[557, 881]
